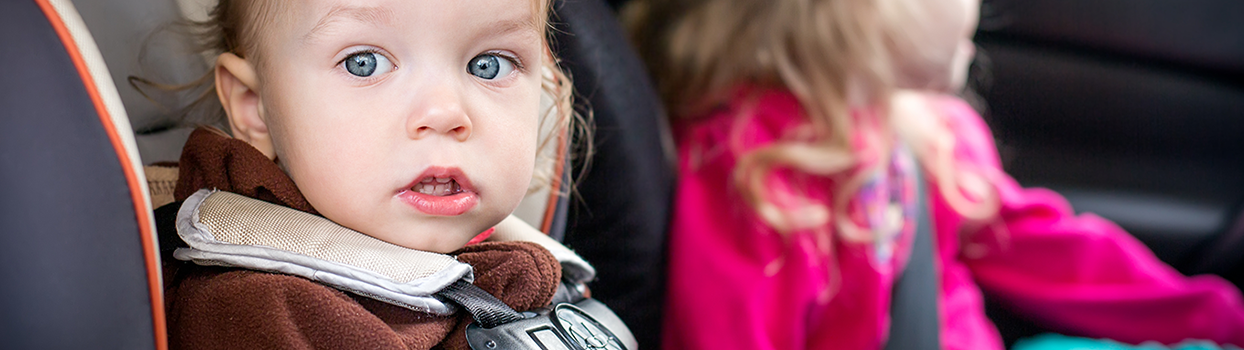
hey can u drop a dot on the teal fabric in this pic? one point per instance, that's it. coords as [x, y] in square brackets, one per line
[1062, 342]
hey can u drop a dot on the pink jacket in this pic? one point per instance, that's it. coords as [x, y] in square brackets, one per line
[737, 284]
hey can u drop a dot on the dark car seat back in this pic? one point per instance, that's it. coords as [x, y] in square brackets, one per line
[77, 242]
[620, 217]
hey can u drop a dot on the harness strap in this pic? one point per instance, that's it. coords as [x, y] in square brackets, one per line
[914, 319]
[485, 308]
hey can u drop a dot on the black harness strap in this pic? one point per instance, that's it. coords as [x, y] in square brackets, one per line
[485, 308]
[914, 321]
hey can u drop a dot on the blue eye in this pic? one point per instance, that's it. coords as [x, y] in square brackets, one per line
[366, 64]
[490, 66]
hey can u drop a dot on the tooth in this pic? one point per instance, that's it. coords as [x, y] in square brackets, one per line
[441, 180]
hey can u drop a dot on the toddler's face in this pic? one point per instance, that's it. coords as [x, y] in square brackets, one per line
[413, 121]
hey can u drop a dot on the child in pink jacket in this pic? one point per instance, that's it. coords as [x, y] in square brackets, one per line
[800, 127]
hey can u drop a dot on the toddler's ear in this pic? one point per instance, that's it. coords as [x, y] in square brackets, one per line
[237, 86]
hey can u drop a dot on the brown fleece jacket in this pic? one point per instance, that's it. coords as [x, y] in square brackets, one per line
[230, 308]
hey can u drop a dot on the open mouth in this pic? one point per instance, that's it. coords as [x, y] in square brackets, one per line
[437, 186]
[441, 191]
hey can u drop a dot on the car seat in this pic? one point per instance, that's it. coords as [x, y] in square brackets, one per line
[81, 268]
[77, 242]
[620, 218]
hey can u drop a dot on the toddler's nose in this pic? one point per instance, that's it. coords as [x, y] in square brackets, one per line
[440, 113]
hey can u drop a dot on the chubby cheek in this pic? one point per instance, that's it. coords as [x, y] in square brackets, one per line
[319, 146]
[509, 135]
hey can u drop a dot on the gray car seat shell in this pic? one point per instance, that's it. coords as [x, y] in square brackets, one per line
[77, 243]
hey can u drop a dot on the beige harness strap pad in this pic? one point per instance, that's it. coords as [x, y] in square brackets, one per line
[227, 229]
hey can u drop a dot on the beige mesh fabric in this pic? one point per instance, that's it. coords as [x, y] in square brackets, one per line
[236, 219]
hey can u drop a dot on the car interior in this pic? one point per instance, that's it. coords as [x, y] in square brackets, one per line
[1131, 109]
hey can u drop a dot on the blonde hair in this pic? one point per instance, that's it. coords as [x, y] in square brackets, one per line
[835, 57]
[233, 26]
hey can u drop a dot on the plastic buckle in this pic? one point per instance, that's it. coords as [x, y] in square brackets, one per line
[585, 325]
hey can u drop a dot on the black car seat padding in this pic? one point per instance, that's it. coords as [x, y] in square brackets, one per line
[76, 237]
[620, 218]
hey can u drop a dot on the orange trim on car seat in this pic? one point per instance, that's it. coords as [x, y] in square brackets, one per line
[555, 186]
[143, 216]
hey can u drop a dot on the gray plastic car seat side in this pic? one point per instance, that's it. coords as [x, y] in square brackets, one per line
[76, 270]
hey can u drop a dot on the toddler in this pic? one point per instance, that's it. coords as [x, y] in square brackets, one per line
[801, 126]
[414, 122]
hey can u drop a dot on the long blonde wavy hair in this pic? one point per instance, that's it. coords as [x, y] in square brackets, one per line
[234, 26]
[835, 57]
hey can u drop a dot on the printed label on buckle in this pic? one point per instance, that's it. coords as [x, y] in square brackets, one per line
[565, 326]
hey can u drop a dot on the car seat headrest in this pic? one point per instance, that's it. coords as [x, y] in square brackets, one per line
[141, 38]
